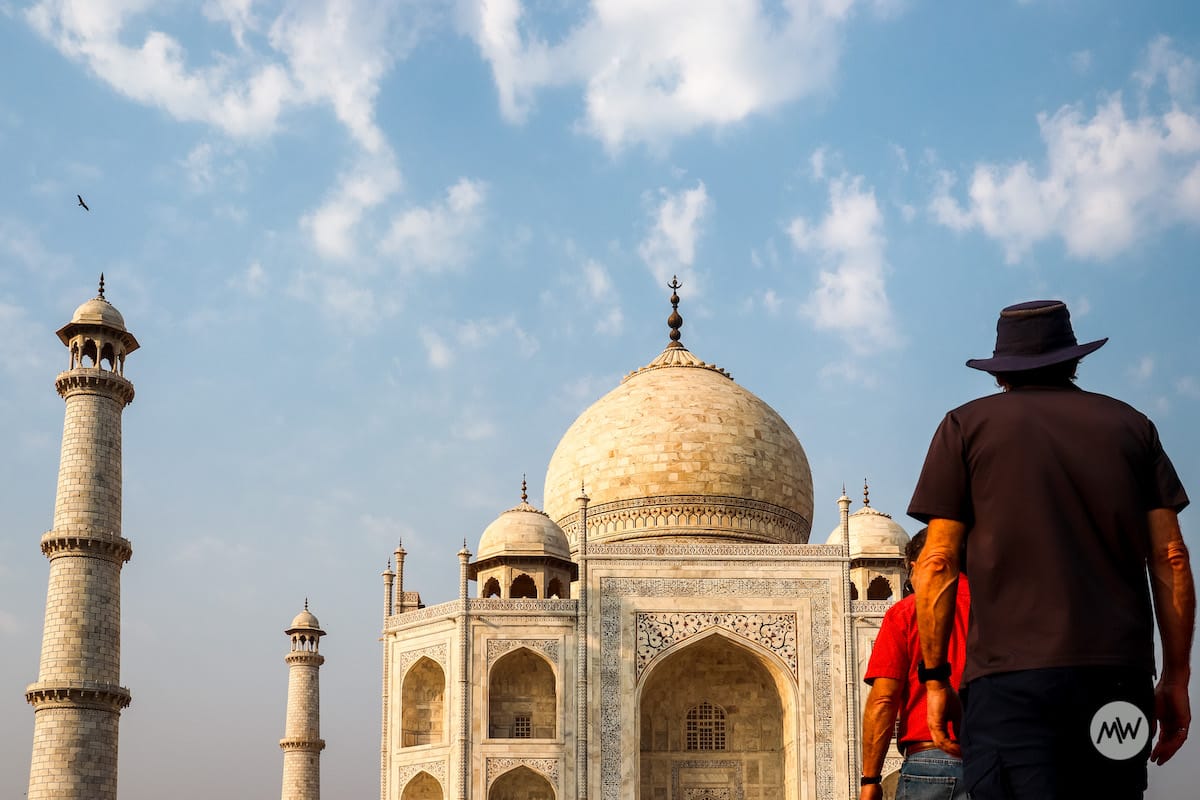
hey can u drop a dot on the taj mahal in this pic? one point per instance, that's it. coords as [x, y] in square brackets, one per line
[665, 628]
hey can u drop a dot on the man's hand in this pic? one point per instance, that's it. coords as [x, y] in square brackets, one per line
[943, 709]
[872, 792]
[1173, 715]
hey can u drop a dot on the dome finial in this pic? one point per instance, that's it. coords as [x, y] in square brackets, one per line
[306, 604]
[674, 322]
[524, 496]
[101, 295]
[866, 494]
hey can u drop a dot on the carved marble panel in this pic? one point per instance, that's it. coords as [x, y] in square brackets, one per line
[435, 652]
[658, 632]
[498, 647]
[408, 771]
[731, 767]
[546, 766]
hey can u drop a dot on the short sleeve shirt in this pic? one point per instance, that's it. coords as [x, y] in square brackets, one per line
[1054, 485]
[897, 652]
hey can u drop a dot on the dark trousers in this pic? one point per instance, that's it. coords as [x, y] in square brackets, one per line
[1055, 734]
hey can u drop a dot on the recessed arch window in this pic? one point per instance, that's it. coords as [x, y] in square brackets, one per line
[705, 727]
[879, 589]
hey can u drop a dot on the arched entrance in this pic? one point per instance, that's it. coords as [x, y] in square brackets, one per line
[423, 786]
[712, 724]
[521, 783]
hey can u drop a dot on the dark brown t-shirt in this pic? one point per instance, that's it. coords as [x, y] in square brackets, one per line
[1054, 486]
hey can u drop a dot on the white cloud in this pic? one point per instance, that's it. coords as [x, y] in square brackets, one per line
[1143, 369]
[1081, 61]
[1188, 386]
[771, 301]
[477, 334]
[1108, 181]
[440, 235]
[652, 71]
[473, 427]
[436, 350]
[252, 282]
[670, 246]
[601, 297]
[474, 334]
[198, 167]
[848, 243]
[304, 54]
[334, 224]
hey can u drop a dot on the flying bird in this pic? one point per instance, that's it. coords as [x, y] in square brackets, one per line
[85, 208]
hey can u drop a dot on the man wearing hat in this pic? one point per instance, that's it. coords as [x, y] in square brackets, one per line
[1063, 500]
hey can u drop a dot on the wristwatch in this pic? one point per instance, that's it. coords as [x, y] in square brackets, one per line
[865, 781]
[939, 673]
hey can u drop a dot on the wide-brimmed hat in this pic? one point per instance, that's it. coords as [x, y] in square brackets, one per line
[1034, 334]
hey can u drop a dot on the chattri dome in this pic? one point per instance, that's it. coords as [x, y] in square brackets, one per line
[872, 534]
[305, 620]
[523, 531]
[680, 449]
[98, 311]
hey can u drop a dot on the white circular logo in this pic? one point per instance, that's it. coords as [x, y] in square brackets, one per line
[1120, 730]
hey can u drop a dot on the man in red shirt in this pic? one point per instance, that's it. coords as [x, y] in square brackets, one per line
[896, 691]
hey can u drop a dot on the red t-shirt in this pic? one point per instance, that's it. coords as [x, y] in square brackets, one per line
[897, 651]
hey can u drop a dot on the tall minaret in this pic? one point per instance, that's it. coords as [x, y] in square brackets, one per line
[78, 697]
[302, 743]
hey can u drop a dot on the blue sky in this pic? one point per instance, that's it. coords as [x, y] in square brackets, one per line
[379, 255]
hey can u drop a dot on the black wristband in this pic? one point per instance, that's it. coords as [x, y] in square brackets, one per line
[939, 673]
[865, 781]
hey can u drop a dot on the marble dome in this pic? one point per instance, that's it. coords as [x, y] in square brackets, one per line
[98, 311]
[523, 531]
[305, 620]
[872, 534]
[680, 449]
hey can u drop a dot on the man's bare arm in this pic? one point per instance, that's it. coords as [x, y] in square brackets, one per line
[879, 719]
[935, 578]
[1174, 592]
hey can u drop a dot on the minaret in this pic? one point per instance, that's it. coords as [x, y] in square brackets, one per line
[302, 743]
[78, 697]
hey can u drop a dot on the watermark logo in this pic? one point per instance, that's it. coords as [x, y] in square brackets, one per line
[1120, 730]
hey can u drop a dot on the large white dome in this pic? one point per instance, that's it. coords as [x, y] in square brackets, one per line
[680, 449]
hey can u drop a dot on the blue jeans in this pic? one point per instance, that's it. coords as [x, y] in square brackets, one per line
[931, 775]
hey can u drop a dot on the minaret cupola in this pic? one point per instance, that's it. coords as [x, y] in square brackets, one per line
[96, 335]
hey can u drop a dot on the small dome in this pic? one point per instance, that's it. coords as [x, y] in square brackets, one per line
[98, 311]
[523, 531]
[305, 619]
[872, 534]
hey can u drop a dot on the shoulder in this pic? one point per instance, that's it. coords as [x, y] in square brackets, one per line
[902, 614]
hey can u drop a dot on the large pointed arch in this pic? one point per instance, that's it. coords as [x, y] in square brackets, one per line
[522, 697]
[521, 783]
[756, 691]
[423, 704]
[422, 786]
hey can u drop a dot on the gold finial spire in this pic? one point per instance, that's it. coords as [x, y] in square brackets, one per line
[524, 496]
[866, 493]
[306, 604]
[674, 322]
[101, 285]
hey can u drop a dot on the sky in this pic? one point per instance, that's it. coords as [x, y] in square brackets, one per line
[379, 255]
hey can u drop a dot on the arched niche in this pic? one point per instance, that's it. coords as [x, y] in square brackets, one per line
[880, 589]
[718, 715]
[521, 783]
[522, 697]
[491, 588]
[423, 786]
[422, 704]
[523, 586]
